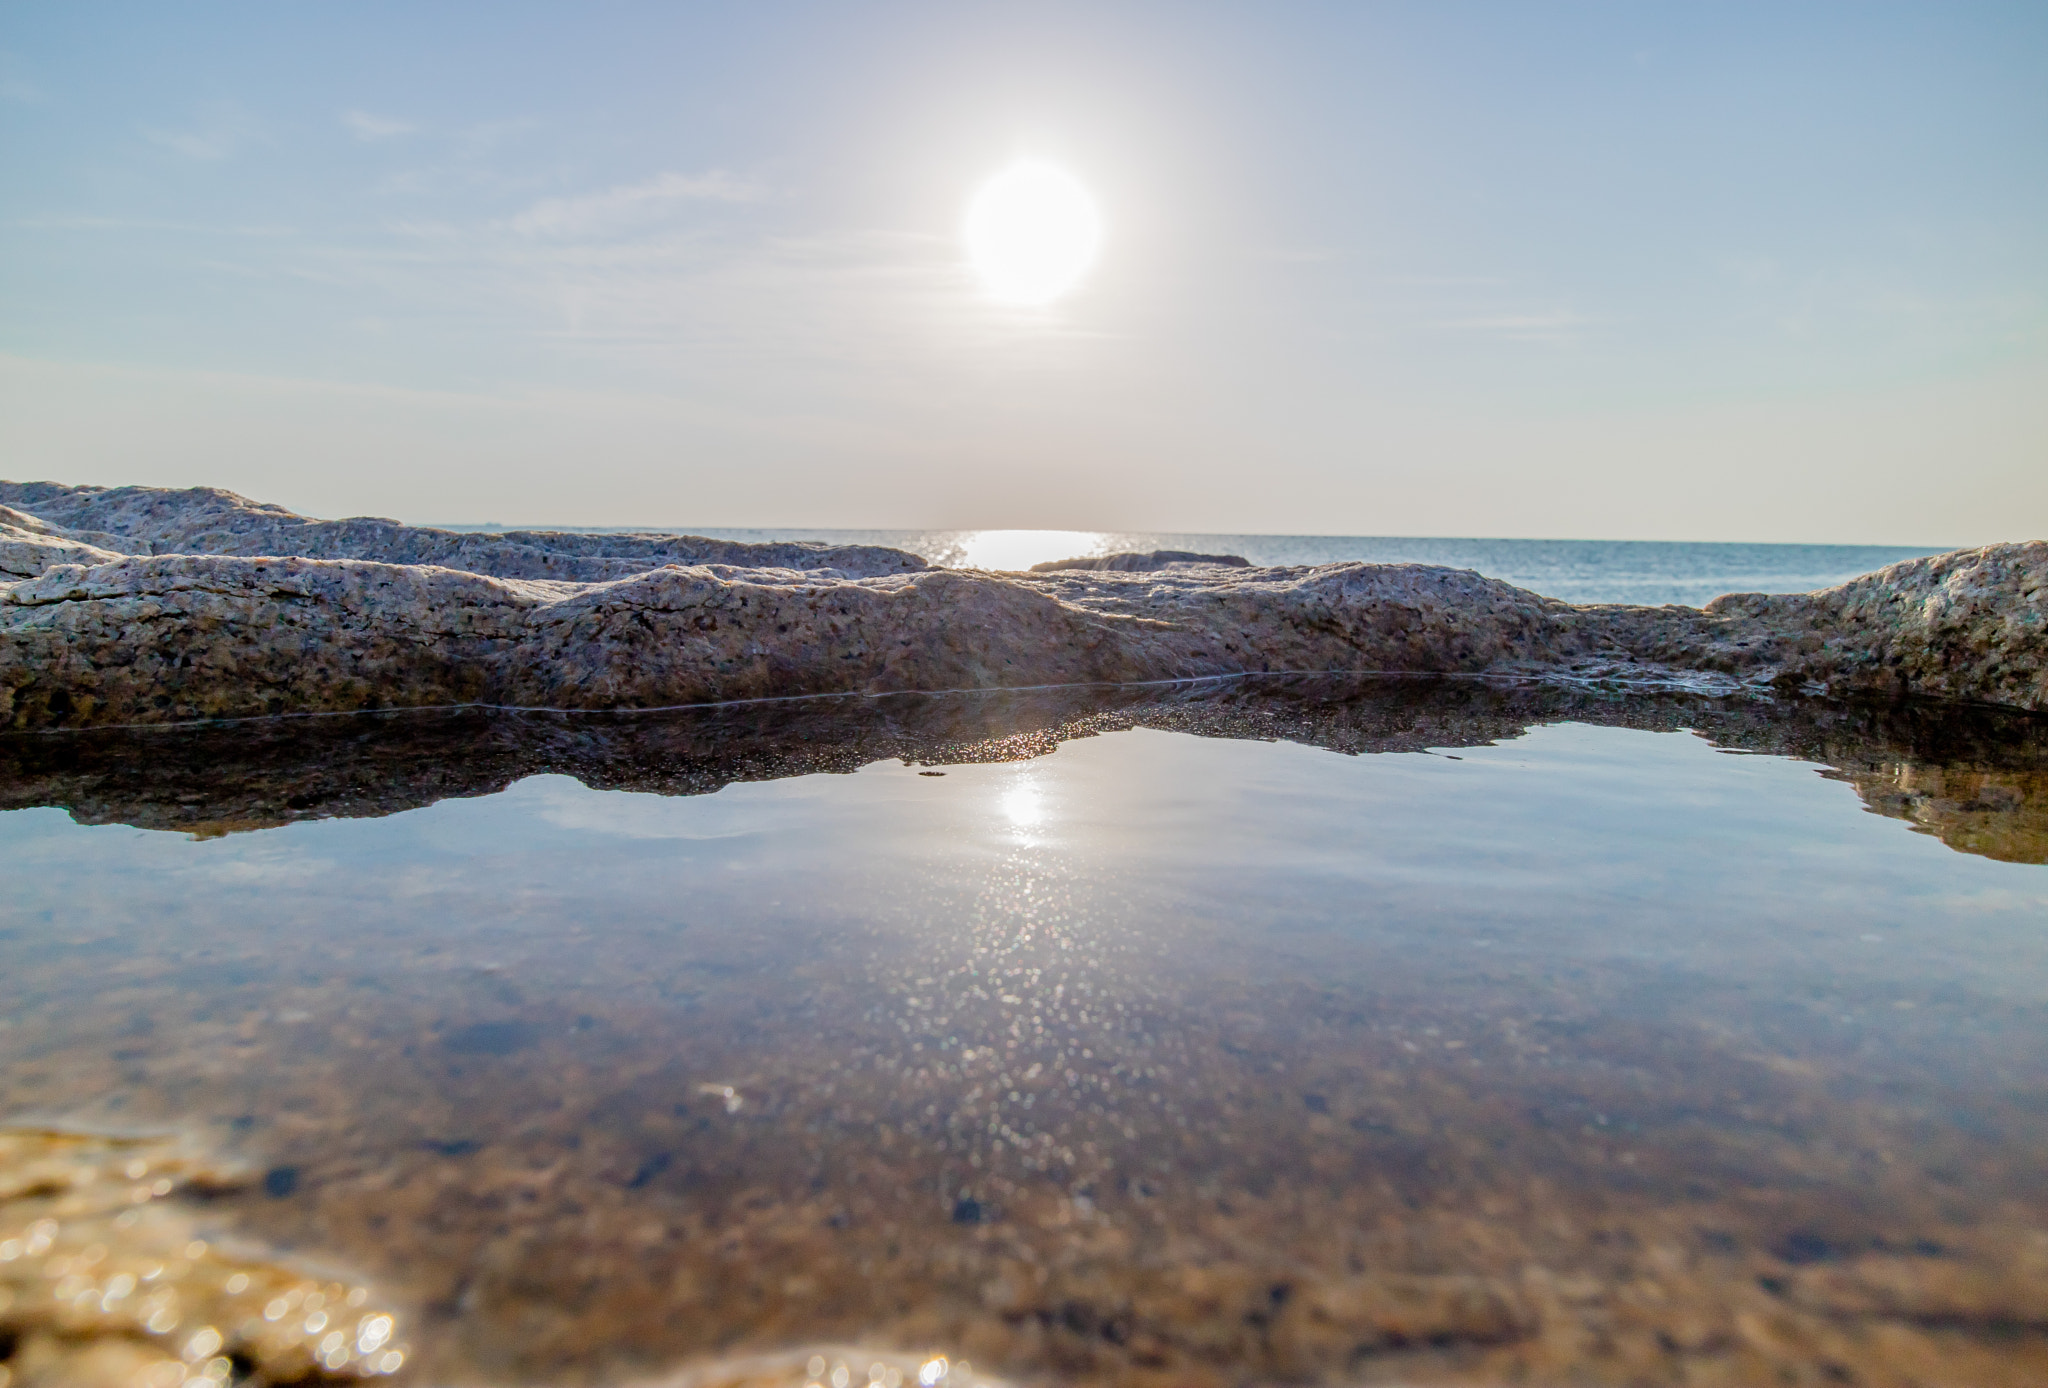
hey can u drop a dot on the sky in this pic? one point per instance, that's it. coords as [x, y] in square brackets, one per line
[1741, 271]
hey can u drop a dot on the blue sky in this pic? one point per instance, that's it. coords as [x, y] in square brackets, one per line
[1738, 271]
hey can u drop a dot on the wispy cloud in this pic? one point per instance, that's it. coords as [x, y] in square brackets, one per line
[596, 214]
[92, 223]
[221, 131]
[367, 127]
[1550, 328]
[479, 140]
[1447, 281]
[190, 143]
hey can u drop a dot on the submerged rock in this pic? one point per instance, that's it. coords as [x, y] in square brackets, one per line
[161, 637]
[108, 1277]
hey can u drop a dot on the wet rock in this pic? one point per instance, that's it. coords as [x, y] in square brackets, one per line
[107, 1276]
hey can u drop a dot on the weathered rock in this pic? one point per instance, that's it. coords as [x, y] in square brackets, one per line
[167, 637]
[1972, 624]
[207, 520]
[1132, 562]
[28, 546]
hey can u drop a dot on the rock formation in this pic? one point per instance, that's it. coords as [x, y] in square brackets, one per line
[1130, 562]
[207, 520]
[386, 616]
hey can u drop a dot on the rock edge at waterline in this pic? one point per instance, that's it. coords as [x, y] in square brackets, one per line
[98, 625]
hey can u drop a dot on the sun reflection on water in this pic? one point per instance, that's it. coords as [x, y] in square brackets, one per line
[1019, 549]
[1024, 805]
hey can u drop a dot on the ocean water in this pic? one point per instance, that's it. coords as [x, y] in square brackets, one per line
[1633, 571]
[1275, 1030]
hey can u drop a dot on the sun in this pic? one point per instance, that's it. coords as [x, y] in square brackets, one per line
[1032, 232]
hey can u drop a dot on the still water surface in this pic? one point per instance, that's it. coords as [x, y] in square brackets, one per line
[1598, 1053]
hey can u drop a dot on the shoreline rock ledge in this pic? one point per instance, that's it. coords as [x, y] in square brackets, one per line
[140, 605]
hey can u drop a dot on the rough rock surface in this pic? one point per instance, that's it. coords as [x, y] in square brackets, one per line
[99, 638]
[1132, 562]
[207, 520]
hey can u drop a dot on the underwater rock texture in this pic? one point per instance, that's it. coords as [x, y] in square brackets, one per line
[382, 617]
[688, 1136]
[108, 1276]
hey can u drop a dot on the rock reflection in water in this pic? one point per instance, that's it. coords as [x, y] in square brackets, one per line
[1975, 777]
[1398, 1070]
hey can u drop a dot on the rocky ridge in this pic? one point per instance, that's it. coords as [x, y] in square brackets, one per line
[103, 522]
[141, 605]
[1132, 562]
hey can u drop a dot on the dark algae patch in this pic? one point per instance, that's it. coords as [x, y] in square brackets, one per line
[1213, 1035]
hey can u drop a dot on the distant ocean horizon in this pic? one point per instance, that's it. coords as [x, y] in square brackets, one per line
[1634, 571]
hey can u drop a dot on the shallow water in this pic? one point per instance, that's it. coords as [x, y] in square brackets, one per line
[1540, 1038]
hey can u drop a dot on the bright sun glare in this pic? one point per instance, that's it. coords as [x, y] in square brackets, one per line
[1032, 232]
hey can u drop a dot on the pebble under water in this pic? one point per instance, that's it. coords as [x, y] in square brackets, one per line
[1265, 1031]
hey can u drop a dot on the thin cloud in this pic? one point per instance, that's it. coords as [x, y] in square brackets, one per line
[191, 143]
[1550, 328]
[221, 132]
[92, 223]
[598, 213]
[367, 127]
[481, 139]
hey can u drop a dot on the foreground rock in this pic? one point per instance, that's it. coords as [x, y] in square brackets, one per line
[107, 1276]
[96, 637]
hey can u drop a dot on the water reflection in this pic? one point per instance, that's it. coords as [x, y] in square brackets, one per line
[1024, 805]
[1976, 778]
[1016, 550]
[1591, 1055]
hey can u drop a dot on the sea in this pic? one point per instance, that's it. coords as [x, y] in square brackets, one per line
[1631, 571]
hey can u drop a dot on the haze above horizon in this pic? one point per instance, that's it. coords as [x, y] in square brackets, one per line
[1750, 272]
